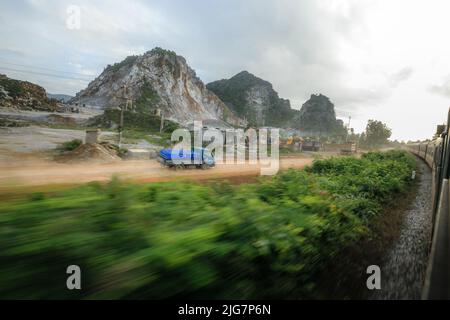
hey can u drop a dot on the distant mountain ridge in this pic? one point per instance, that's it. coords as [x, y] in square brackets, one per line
[255, 99]
[158, 79]
[60, 97]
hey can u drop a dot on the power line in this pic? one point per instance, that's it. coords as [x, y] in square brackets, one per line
[42, 68]
[43, 74]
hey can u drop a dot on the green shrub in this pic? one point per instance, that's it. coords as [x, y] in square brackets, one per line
[14, 87]
[182, 240]
[71, 145]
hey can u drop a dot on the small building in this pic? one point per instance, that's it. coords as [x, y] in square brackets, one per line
[92, 136]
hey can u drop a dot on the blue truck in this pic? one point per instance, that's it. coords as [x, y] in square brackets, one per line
[179, 159]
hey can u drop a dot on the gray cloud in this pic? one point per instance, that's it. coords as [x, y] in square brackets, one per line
[442, 89]
[293, 44]
[401, 75]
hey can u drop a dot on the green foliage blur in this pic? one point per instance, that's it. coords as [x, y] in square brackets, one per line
[14, 87]
[182, 240]
[377, 133]
[71, 145]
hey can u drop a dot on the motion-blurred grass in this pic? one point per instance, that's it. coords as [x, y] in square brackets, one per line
[183, 240]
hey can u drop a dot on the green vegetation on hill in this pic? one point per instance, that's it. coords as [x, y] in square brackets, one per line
[148, 99]
[24, 95]
[235, 93]
[133, 120]
[234, 90]
[182, 240]
[128, 61]
[14, 87]
[317, 117]
[161, 51]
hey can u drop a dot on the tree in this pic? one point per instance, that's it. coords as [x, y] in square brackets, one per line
[377, 133]
[362, 139]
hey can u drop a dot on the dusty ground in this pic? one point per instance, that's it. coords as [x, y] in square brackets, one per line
[38, 142]
[35, 173]
[35, 140]
[84, 114]
[26, 155]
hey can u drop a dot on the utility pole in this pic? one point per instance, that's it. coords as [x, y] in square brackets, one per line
[348, 128]
[121, 126]
[128, 100]
[124, 96]
[161, 126]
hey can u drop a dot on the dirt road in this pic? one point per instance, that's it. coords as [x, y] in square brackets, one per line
[39, 173]
[26, 160]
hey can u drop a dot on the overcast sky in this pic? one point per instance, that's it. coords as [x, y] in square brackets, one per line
[375, 59]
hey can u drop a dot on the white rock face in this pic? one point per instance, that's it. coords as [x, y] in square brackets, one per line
[181, 95]
[258, 98]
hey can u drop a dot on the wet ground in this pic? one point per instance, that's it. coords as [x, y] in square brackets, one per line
[402, 274]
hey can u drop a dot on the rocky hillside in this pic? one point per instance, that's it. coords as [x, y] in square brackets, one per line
[24, 95]
[255, 99]
[158, 79]
[317, 117]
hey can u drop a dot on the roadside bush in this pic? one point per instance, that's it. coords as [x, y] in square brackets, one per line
[71, 145]
[182, 240]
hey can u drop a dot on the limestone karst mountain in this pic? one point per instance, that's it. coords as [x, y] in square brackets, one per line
[158, 79]
[255, 99]
[317, 117]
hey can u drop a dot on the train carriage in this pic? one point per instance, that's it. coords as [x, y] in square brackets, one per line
[436, 154]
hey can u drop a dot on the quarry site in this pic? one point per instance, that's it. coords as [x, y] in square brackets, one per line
[132, 108]
[32, 155]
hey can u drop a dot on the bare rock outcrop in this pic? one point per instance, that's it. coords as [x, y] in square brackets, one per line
[158, 79]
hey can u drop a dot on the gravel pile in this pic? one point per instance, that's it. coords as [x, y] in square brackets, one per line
[91, 153]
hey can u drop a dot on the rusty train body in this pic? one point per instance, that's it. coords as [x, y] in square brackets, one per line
[436, 153]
